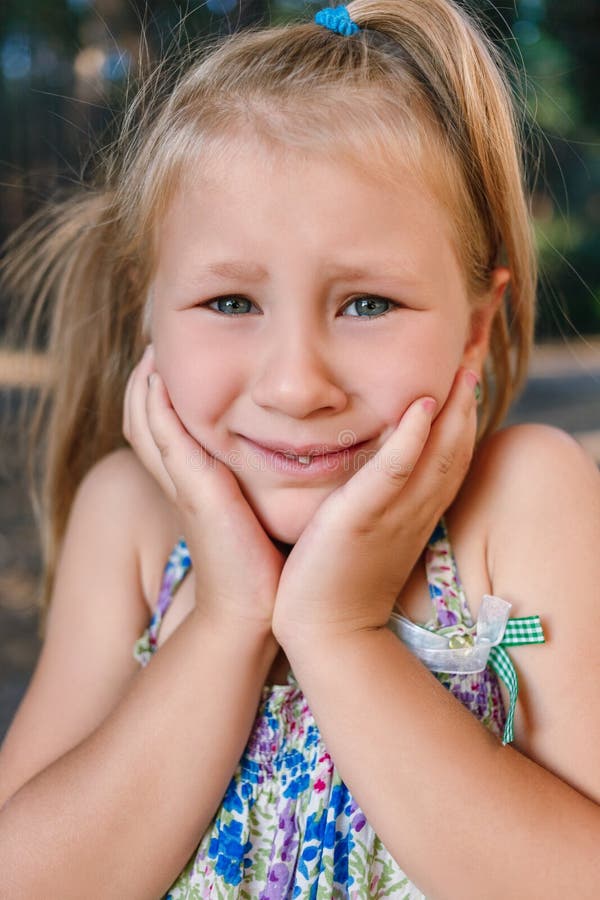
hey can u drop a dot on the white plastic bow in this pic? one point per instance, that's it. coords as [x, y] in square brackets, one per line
[459, 650]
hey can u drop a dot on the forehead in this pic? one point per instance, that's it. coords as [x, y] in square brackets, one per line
[263, 202]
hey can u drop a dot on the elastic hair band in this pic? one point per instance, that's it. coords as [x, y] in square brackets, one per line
[336, 19]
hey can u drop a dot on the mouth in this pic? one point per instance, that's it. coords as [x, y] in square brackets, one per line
[313, 460]
[307, 451]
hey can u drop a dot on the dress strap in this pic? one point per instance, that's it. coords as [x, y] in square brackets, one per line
[451, 609]
[451, 631]
[176, 568]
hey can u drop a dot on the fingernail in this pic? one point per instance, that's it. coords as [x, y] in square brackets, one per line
[429, 405]
[471, 377]
[151, 378]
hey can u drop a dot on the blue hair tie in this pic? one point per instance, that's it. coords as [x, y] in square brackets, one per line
[336, 19]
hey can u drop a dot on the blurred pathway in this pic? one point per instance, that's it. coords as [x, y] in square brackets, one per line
[563, 390]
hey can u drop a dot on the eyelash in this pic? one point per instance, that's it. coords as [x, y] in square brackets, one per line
[394, 305]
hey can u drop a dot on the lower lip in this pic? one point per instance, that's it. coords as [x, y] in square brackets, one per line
[346, 460]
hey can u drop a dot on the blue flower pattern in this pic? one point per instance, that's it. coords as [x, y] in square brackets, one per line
[288, 826]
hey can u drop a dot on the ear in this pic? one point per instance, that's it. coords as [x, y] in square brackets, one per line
[482, 316]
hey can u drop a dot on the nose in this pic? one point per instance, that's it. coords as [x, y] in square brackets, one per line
[297, 377]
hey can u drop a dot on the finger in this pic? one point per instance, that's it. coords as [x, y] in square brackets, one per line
[140, 435]
[445, 460]
[126, 422]
[135, 396]
[182, 456]
[375, 487]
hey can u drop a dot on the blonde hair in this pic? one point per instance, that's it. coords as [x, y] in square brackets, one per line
[419, 85]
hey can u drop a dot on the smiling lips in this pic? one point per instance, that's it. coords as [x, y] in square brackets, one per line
[306, 451]
[324, 460]
[306, 458]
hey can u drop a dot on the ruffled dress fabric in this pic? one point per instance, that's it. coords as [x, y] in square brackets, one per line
[288, 826]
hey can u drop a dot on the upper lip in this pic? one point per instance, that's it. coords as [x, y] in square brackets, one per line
[304, 449]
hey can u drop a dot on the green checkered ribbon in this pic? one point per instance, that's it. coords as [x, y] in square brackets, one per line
[523, 630]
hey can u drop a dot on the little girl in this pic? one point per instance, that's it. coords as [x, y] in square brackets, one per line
[262, 675]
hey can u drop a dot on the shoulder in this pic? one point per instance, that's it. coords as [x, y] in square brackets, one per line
[537, 491]
[127, 499]
[532, 492]
[532, 453]
[112, 499]
[538, 481]
[120, 473]
[105, 498]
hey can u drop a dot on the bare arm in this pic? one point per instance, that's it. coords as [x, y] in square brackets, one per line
[513, 821]
[120, 814]
[114, 772]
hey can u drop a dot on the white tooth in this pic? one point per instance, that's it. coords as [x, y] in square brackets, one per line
[304, 459]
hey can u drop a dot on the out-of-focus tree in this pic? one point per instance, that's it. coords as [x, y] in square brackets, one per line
[562, 66]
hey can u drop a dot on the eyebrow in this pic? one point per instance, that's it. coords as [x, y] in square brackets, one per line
[234, 268]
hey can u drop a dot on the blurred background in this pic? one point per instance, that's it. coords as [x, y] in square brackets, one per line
[65, 68]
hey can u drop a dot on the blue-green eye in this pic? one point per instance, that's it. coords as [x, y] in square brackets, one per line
[235, 305]
[368, 305]
[231, 304]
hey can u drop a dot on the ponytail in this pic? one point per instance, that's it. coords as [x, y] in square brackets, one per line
[61, 270]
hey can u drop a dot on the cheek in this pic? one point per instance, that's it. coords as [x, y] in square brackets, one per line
[413, 369]
[200, 387]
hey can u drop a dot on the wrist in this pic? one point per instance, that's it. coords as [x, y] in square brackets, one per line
[238, 630]
[303, 638]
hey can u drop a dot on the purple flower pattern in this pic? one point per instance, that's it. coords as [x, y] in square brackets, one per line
[287, 826]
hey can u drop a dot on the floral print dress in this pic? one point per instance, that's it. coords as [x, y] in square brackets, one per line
[288, 826]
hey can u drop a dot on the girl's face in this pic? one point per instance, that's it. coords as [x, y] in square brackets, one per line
[297, 302]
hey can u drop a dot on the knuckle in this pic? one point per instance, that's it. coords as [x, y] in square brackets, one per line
[399, 475]
[363, 531]
[446, 461]
[185, 502]
[398, 469]
[163, 448]
[190, 500]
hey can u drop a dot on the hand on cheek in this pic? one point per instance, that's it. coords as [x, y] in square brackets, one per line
[237, 567]
[356, 553]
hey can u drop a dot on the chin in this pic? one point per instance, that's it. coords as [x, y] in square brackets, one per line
[284, 532]
[285, 514]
